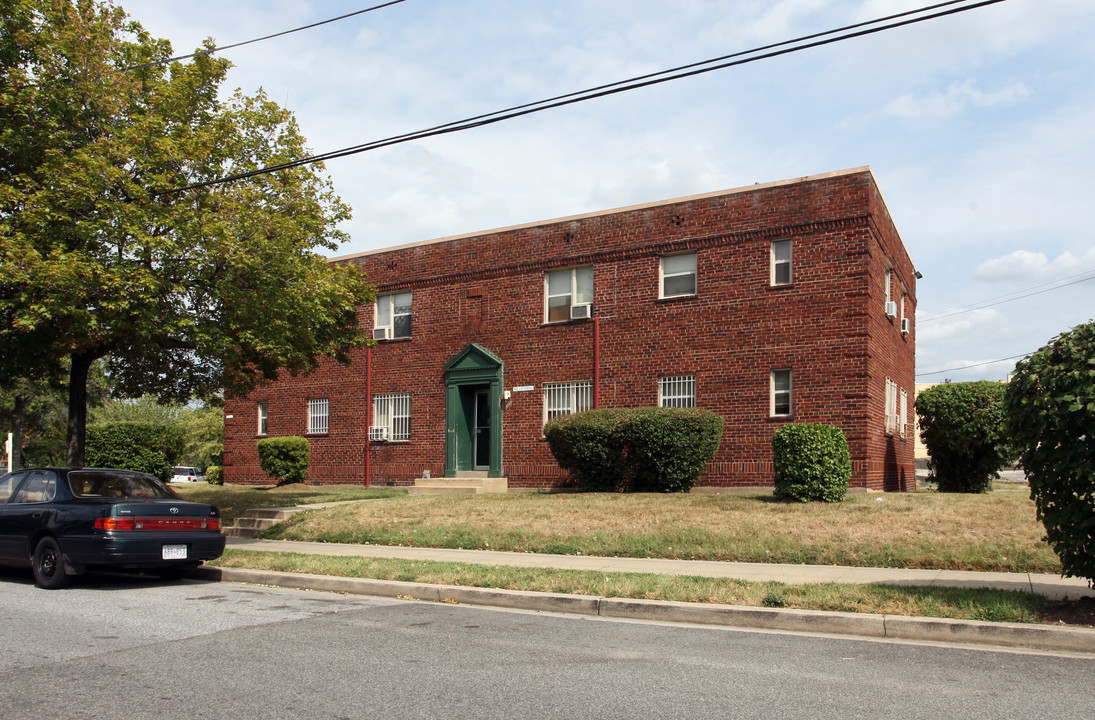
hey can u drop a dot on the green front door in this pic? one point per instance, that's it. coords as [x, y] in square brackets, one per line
[473, 412]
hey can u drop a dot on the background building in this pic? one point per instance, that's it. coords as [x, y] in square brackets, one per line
[782, 302]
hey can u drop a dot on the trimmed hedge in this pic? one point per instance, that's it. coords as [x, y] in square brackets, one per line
[963, 427]
[143, 447]
[635, 449]
[285, 459]
[214, 475]
[812, 462]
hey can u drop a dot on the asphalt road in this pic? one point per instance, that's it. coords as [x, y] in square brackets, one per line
[139, 648]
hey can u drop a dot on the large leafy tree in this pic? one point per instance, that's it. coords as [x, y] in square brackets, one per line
[105, 254]
[1051, 417]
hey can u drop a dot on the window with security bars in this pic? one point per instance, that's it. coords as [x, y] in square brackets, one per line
[392, 411]
[566, 399]
[317, 416]
[677, 391]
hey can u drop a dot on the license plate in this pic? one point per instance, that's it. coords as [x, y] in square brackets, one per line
[174, 552]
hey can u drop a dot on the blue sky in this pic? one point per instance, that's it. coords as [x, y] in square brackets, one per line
[980, 128]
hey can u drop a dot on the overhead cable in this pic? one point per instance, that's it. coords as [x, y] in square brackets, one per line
[1006, 299]
[739, 58]
[265, 37]
[973, 365]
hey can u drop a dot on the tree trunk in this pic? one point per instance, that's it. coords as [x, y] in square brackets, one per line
[77, 408]
[17, 432]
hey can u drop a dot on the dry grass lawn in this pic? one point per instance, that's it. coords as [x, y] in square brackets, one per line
[992, 532]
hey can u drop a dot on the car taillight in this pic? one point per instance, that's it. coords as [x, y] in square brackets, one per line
[127, 524]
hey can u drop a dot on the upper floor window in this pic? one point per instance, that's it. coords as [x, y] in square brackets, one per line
[393, 316]
[564, 289]
[260, 411]
[391, 417]
[677, 275]
[566, 399]
[677, 391]
[781, 392]
[781, 262]
[317, 416]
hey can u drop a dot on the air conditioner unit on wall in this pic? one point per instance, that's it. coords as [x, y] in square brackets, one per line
[380, 333]
[906, 325]
[378, 433]
[891, 309]
[581, 312]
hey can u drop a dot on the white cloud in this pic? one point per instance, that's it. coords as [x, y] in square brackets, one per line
[1033, 266]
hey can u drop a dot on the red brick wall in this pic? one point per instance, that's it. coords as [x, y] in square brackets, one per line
[829, 327]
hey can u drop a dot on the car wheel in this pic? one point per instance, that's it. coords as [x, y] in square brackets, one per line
[49, 565]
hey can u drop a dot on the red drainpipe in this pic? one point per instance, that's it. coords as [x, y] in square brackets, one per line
[596, 362]
[368, 406]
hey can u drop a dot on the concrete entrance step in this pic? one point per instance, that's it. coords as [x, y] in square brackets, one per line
[458, 485]
[255, 519]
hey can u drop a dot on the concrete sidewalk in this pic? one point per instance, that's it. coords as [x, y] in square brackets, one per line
[1052, 586]
[1044, 638]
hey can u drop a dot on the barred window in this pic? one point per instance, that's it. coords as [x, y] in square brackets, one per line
[781, 392]
[317, 416]
[677, 391]
[392, 411]
[566, 399]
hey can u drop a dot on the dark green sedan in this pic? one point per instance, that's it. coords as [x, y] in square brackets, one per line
[62, 521]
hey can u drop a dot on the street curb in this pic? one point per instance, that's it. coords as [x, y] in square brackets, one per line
[1051, 638]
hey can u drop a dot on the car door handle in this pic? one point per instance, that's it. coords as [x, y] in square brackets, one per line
[37, 515]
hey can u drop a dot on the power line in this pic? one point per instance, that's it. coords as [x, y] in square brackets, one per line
[966, 367]
[265, 37]
[986, 303]
[765, 52]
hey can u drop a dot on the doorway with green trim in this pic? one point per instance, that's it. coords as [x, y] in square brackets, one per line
[473, 412]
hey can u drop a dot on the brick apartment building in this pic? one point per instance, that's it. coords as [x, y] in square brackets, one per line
[782, 302]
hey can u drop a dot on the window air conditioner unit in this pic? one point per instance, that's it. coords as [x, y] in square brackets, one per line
[581, 312]
[378, 433]
[906, 325]
[380, 333]
[891, 309]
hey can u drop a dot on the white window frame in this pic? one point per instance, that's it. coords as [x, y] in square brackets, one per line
[891, 407]
[385, 316]
[393, 412]
[677, 391]
[903, 414]
[566, 398]
[319, 416]
[777, 263]
[774, 394]
[889, 284]
[663, 276]
[261, 411]
[573, 294]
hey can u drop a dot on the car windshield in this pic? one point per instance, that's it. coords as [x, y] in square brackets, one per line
[105, 483]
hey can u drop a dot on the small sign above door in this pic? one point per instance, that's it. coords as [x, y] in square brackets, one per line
[524, 388]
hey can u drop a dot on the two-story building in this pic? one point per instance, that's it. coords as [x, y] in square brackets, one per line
[781, 302]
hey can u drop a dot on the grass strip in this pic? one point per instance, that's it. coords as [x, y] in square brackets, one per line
[235, 500]
[993, 532]
[938, 602]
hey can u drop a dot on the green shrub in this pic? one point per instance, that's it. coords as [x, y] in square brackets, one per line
[285, 459]
[812, 462]
[636, 449]
[964, 429]
[1050, 406]
[214, 474]
[144, 447]
[667, 448]
[589, 445]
